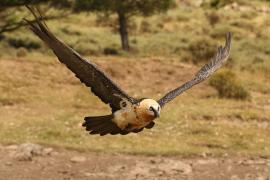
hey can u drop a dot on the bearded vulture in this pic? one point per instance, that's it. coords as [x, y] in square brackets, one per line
[128, 114]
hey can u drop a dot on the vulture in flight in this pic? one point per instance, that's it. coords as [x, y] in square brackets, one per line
[128, 114]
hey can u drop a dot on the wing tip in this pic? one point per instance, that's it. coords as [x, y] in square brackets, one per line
[229, 36]
[228, 40]
[216, 62]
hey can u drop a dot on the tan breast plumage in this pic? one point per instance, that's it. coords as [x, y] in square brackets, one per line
[135, 115]
[142, 113]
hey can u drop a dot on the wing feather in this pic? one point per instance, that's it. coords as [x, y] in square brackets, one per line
[215, 63]
[88, 73]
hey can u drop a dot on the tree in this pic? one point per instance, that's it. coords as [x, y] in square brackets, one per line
[124, 10]
[217, 3]
[9, 9]
[16, 3]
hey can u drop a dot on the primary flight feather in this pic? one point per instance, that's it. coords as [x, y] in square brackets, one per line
[128, 114]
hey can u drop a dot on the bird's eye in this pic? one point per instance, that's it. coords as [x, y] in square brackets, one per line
[123, 104]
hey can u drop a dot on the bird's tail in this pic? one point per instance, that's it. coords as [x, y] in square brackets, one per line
[101, 125]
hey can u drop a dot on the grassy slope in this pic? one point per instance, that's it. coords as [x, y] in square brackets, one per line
[40, 101]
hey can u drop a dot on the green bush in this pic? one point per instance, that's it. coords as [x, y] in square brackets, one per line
[213, 18]
[27, 43]
[228, 85]
[70, 31]
[216, 3]
[110, 51]
[145, 27]
[2, 37]
[201, 50]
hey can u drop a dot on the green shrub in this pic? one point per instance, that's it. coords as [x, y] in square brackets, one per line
[134, 41]
[18, 42]
[216, 3]
[201, 50]
[110, 51]
[145, 27]
[70, 31]
[106, 21]
[2, 37]
[228, 85]
[213, 18]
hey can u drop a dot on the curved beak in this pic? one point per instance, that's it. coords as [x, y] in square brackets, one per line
[156, 113]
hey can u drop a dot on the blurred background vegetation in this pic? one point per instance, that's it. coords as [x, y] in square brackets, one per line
[171, 39]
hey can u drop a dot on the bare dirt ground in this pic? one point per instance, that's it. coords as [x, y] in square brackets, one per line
[31, 161]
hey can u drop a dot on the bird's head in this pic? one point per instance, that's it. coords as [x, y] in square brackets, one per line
[149, 108]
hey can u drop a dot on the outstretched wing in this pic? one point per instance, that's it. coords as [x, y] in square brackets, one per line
[87, 72]
[216, 62]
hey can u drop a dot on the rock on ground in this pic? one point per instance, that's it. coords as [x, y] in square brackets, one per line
[26, 151]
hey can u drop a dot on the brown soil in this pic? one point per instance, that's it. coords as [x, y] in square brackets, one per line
[67, 164]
